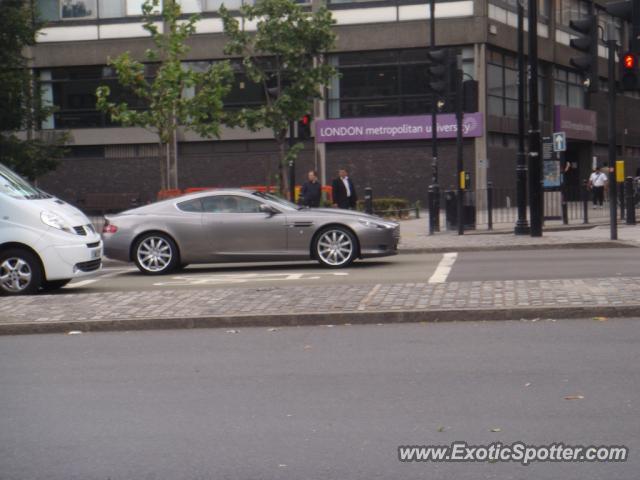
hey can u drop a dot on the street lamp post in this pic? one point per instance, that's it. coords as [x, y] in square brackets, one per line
[434, 189]
[535, 164]
[522, 225]
[613, 214]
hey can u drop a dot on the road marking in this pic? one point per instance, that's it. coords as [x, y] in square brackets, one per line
[84, 283]
[243, 278]
[444, 268]
[365, 300]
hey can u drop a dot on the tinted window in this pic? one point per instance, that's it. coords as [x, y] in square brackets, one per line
[230, 204]
[191, 206]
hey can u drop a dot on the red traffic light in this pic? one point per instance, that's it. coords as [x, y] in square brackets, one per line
[629, 61]
[306, 119]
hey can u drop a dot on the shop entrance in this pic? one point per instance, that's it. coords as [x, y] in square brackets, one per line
[578, 155]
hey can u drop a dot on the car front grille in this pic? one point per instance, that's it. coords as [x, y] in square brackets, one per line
[80, 230]
[93, 245]
[89, 266]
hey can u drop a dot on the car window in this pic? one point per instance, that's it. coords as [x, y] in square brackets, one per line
[230, 204]
[191, 206]
[17, 187]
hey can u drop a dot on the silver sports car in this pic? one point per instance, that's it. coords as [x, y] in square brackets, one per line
[242, 226]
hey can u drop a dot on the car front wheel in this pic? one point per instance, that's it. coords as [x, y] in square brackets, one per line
[335, 247]
[20, 272]
[155, 254]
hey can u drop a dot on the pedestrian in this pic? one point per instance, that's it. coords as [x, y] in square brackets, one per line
[344, 191]
[597, 183]
[311, 191]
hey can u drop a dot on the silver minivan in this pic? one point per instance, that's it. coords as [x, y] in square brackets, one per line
[44, 242]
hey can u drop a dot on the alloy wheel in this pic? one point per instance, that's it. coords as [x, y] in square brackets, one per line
[335, 248]
[154, 254]
[15, 275]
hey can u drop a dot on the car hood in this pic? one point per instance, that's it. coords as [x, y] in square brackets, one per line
[67, 212]
[337, 212]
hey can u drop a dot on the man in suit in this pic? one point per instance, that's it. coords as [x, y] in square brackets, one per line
[344, 191]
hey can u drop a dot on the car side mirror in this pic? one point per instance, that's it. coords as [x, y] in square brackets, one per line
[268, 209]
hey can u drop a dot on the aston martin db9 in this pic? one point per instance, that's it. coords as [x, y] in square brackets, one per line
[242, 226]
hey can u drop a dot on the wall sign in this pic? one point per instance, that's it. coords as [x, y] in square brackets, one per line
[416, 127]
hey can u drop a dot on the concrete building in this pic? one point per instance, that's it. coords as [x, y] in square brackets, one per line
[373, 113]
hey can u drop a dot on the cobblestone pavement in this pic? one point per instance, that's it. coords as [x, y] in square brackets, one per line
[476, 296]
[414, 236]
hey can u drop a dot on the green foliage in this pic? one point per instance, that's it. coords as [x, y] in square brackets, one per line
[167, 107]
[389, 207]
[284, 56]
[21, 105]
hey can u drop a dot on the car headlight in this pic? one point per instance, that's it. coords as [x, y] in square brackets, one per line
[372, 223]
[53, 220]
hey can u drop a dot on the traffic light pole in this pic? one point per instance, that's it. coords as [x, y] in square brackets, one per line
[613, 213]
[522, 225]
[459, 146]
[292, 165]
[535, 164]
[434, 189]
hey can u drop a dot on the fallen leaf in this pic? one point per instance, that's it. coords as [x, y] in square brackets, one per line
[441, 428]
[496, 429]
[74, 332]
[601, 319]
[233, 331]
[574, 397]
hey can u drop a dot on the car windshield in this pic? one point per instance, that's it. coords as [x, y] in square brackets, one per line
[280, 201]
[15, 186]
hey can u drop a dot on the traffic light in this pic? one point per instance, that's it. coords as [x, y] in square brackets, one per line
[628, 10]
[470, 96]
[586, 42]
[439, 80]
[304, 127]
[629, 75]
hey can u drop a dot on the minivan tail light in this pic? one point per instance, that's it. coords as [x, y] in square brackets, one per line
[109, 228]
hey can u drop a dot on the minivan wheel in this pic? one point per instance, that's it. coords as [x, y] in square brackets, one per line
[155, 254]
[335, 247]
[20, 272]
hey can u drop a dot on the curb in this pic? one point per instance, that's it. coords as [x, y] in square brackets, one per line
[531, 246]
[302, 319]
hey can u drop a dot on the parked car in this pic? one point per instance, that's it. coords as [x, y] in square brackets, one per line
[44, 242]
[242, 226]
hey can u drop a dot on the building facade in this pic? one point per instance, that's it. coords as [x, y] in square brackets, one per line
[374, 118]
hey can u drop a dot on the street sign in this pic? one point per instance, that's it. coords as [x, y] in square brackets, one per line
[559, 142]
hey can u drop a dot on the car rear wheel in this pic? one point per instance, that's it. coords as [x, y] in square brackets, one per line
[20, 272]
[155, 254]
[335, 247]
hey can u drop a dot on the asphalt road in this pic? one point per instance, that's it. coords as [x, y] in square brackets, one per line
[503, 265]
[316, 402]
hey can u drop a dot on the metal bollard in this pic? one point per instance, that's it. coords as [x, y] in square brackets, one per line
[622, 198]
[585, 202]
[631, 208]
[418, 209]
[490, 205]
[368, 200]
[432, 210]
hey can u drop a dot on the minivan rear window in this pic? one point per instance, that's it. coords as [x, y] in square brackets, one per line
[15, 186]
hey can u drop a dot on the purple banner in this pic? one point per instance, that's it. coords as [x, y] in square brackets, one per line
[416, 127]
[576, 123]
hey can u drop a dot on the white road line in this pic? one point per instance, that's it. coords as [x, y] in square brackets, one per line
[444, 268]
[84, 283]
[365, 300]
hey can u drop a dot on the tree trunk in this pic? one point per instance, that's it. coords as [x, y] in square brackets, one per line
[172, 155]
[283, 181]
[162, 161]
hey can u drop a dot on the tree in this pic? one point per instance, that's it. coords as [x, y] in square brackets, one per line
[21, 105]
[167, 108]
[285, 56]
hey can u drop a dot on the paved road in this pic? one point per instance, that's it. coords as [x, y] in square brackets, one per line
[505, 265]
[315, 402]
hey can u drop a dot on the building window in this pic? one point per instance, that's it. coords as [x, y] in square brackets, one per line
[77, 9]
[502, 85]
[567, 10]
[384, 83]
[568, 88]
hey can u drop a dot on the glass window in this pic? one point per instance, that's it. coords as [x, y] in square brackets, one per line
[112, 8]
[15, 186]
[49, 10]
[191, 206]
[214, 5]
[76, 9]
[191, 6]
[134, 7]
[230, 204]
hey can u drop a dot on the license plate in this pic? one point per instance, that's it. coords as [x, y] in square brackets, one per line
[96, 253]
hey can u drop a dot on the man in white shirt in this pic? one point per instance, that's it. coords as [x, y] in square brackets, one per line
[597, 184]
[344, 191]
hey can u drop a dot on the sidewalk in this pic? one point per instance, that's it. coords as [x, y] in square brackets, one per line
[308, 305]
[415, 238]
